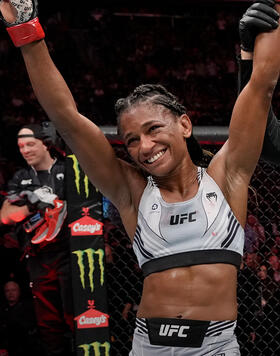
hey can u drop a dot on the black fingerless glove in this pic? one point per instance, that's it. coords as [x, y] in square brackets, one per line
[259, 17]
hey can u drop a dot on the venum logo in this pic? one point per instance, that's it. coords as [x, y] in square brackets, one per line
[60, 176]
[92, 318]
[211, 196]
[87, 260]
[96, 349]
[86, 225]
[182, 218]
[169, 330]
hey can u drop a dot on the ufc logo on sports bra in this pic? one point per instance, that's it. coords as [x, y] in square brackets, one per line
[182, 218]
[169, 330]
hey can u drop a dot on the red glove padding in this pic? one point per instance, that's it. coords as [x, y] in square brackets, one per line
[27, 32]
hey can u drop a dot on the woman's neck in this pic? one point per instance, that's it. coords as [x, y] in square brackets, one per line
[179, 187]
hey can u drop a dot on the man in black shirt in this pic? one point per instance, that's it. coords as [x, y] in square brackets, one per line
[37, 205]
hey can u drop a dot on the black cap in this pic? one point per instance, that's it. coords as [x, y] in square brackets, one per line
[37, 130]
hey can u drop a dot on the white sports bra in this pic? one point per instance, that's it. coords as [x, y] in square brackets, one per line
[197, 231]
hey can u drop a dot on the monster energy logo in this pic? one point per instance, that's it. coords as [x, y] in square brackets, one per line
[96, 347]
[89, 255]
[77, 171]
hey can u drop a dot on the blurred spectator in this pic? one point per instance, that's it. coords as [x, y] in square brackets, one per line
[132, 300]
[108, 254]
[267, 287]
[251, 260]
[275, 249]
[254, 234]
[275, 267]
[249, 305]
[139, 58]
[19, 333]
[269, 315]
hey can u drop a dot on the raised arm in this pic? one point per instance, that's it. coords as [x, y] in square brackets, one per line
[260, 17]
[234, 164]
[271, 144]
[87, 141]
[250, 112]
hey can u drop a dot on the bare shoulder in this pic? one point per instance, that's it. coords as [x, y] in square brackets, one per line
[135, 180]
[217, 168]
[129, 201]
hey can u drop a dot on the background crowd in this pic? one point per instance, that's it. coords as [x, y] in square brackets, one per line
[190, 49]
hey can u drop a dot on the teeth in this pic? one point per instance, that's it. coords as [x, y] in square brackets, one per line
[155, 157]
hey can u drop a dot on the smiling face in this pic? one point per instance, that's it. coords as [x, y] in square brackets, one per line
[32, 149]
[155, 138]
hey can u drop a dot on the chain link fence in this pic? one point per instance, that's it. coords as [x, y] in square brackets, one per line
[258, 280]
[258, 288]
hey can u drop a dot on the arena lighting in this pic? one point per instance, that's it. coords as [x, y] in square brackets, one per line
[211, 135]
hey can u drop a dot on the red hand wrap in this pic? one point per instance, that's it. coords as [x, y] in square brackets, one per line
[27, 32]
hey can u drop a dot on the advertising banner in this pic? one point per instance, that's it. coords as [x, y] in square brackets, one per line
[85, 216]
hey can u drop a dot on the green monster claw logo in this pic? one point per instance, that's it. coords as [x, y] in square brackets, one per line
[96, 347]
[77, 171]
[90, 254]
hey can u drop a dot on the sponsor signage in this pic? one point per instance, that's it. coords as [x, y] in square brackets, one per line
[92, 318]
[95, 349]
[85, 216]
[86, 226]
[77, 172]
[89, 259]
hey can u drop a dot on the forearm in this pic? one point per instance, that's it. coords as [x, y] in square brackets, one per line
[49, 86]
[271, 144]
[251, 110]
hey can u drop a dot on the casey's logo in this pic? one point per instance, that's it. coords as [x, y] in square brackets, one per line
[92, 318]
[86, 225]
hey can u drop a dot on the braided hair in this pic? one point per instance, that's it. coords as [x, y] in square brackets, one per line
[156, 94]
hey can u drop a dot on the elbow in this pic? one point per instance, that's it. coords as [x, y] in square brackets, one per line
[263, 89]
[64, 119]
